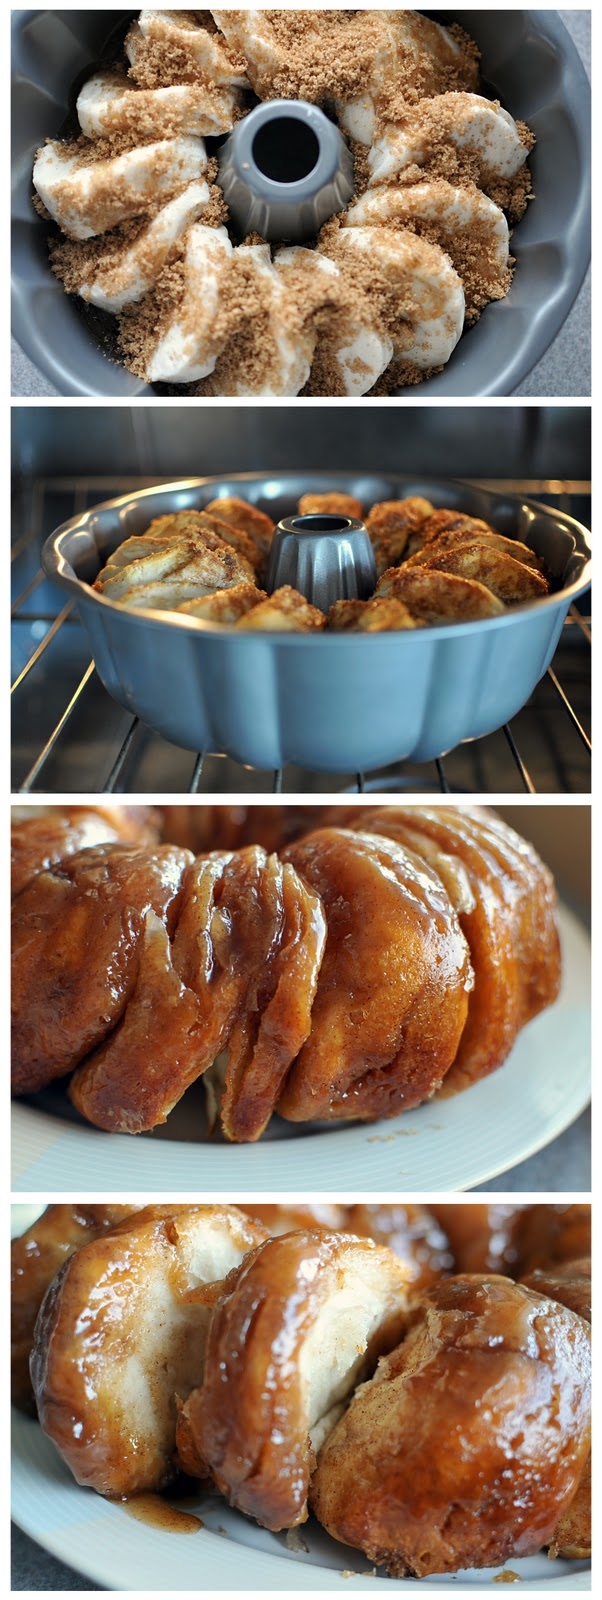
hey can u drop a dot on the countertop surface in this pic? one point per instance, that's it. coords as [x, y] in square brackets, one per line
[565, 369]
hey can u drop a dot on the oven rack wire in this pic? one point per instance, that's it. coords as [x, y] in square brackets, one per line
[69, 736]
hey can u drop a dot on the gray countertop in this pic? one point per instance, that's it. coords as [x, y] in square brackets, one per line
[565, 369]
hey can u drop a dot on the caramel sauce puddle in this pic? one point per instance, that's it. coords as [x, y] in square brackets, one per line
[158, 1513]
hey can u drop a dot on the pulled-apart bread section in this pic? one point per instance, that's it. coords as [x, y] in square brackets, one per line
[36, 1257]
[393, 990]
[299, 1325]
[394, 953]
[122, 1331]
[327, 1358]
[469, 1443]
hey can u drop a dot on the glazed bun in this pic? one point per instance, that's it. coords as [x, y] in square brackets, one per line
[303, 1320]
[416, 1473]
[122, 1332]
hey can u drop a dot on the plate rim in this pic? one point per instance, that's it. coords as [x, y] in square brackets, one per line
[261, 1564]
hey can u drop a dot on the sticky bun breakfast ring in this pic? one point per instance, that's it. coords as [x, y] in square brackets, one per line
[434, 1419]
[358, 962]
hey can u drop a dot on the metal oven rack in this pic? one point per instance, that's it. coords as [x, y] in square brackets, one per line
[69, 736]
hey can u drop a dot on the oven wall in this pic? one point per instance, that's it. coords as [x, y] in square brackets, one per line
[190, 441]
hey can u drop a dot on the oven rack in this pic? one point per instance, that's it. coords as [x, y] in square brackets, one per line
[69, 736]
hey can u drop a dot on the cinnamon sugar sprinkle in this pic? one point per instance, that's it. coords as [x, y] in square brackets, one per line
[330, 55]
[328, 58]
[442, 159]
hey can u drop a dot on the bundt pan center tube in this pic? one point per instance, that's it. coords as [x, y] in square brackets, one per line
[528, 61]
[331, 702]
[284, 170]
[326, 558]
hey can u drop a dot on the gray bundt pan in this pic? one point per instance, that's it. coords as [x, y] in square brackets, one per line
[331, 702]
[528, 59]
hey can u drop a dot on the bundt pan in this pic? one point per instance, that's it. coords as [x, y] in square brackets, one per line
[528, 58]
[331, 702]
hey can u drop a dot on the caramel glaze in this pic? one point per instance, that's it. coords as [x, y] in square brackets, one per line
[157, 1512]
[393, 989]
[250, 1422]
[43, 836]
[570, 1284]
[240, 971]
[352, 977]
[122, 1331]
[76, 933]
[36, 1257]
[201, 828]
[470, 1440]
[515, 1239]
[410, 1231]
[484, 1237]
[505, 900]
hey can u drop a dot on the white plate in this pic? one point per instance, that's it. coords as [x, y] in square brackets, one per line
[442, 1145]
[102, 1541]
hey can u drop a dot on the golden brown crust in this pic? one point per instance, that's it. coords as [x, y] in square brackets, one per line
[572, 1540]
[240, 514]
[305, 1317]
[43, 836]
[444, 521]
[438, 597]
[332, 504]
[457, 540]
[369, 616]
[36, 1257]
[508, 921]
[223, 528]
[122, 1330]
[391, 524]
[453, 1455]
[182, 556]
[509, 580]
[226, 606]
[286, 611]
[395, 959]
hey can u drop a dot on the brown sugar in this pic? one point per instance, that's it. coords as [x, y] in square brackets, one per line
[78, 262]
[443, 159]
[163, 60]
[142, 326]
[328, 57]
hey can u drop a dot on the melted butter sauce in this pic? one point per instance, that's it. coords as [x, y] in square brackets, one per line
[158, 1513]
